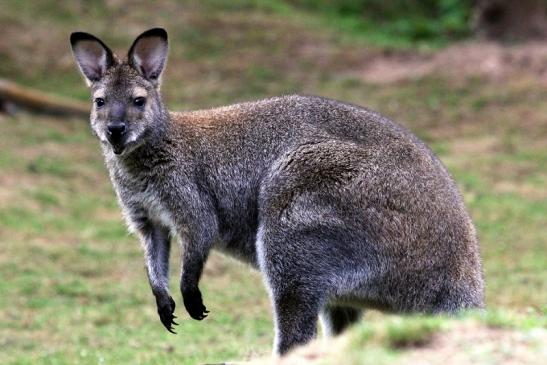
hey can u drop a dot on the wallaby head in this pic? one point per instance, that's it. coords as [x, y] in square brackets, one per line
[126, 101]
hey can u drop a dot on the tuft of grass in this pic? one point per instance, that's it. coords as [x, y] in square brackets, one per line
[411, 332]
[506, 319]
[398, 332]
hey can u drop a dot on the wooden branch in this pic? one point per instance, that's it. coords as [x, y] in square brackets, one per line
[11, 93]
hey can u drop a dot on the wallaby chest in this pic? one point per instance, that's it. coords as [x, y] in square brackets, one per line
[145, 196]
[142, 195]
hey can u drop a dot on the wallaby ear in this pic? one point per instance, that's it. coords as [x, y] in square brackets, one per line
[148, 54]
[92, 55]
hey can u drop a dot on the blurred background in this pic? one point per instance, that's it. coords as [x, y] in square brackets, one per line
[468, 77]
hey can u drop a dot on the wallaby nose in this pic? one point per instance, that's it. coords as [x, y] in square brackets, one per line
[116, 129]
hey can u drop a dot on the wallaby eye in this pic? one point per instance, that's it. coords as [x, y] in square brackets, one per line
[99, 102]
[140, 101]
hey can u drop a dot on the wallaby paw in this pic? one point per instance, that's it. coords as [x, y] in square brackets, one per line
[166, 308]
[194, 304]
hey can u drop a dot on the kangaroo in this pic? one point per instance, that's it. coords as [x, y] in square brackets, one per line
[338, 207]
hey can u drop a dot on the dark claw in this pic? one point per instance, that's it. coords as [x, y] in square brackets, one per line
[166, 307]
[194, 304]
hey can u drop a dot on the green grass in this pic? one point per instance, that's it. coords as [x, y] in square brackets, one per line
[412, 333]
[394, 24]
[74, 288]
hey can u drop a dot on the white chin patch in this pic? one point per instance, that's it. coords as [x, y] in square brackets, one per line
[132, 138]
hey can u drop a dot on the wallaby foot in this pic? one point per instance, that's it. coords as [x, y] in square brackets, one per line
[337, 318]
[194, 303]
[166, 308]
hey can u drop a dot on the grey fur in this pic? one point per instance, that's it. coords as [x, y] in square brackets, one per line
[337, 206]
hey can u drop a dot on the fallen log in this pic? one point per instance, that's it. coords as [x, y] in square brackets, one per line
[37, 101]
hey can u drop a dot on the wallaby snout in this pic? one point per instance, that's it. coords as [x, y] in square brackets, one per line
[116, 135]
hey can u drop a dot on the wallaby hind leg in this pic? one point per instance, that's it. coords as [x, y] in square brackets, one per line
[336, 318]
[296, 289]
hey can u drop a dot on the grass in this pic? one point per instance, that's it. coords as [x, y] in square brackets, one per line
[74, 289]
[411, 333]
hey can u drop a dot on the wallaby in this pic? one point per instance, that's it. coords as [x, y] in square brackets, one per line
[338, 207]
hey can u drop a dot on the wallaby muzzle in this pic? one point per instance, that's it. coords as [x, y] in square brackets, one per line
[116, 133]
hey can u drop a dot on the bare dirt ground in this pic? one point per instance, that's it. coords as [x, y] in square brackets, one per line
[472, 344]
[494, 61]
